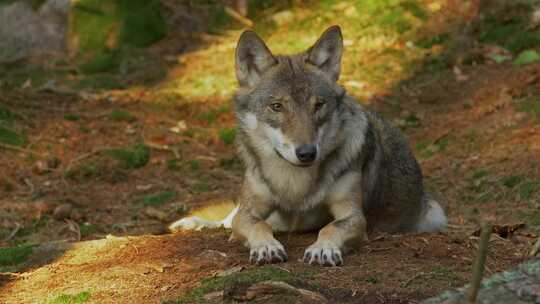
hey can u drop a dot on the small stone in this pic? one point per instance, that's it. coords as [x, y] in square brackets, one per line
[230, 271]
[40, 167]
[156, 213]
[213, 295]
[53, 162]
[469, 103]
[62, 211]
[76, 215]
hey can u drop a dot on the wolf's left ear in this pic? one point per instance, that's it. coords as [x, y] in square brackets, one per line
[326, 52]
[253, 58]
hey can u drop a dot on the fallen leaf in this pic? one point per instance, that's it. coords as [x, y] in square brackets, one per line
[526, 57]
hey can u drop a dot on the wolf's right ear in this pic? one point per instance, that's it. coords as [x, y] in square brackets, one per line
[253, 58]
[327, 51]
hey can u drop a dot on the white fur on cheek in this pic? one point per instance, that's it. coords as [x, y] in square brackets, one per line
[250, 121]
[281, 143]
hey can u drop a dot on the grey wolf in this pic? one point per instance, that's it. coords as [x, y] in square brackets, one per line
[316, 159]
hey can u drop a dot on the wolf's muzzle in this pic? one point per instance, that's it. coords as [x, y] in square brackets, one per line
[306, 153]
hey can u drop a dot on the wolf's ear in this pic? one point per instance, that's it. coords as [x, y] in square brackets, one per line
[253, 58]
[326, 52]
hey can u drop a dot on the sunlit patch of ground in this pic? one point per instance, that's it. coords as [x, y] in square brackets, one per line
[380, 45]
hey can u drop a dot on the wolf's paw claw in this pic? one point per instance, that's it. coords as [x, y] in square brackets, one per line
[323, 255]
[267, 254]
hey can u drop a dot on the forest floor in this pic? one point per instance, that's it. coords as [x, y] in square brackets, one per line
[90, 179]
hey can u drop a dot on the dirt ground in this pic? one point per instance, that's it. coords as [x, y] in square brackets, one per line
[81, 176]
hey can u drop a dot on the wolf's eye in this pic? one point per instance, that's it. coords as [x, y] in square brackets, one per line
[276, 107]
[319, 105]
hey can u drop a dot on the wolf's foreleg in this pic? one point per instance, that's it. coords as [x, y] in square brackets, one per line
[347, 230]
[250, 227]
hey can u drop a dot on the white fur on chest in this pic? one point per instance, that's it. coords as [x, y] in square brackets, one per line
[291, 183]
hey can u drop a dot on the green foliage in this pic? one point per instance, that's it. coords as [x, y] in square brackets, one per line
[508, 26]
[35, 4]
[201, 187]
[121, 115]
[428, 42]
[143, 22]
[157, 199]
[227, 135]
[100, 82]
[79, 298]
[15, 255]
[511, 181]
[181, 165]
[530, 106]
[218, 17]
[134, 157]
[526, 57]
[232, 163]
[72, 117]
[528, 188]
[104, 61]
[10, 137]
[6, 115]
[531, 217]
[249, 276]
[87, 229]
[106, 30]
[212, 115]
[138, 23]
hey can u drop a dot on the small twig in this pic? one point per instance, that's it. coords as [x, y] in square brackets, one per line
[535, 249]
[30, 185]
[163, 147]
[13, 232]
[406, 283]
[245, 21]
[479, 263]
[27, 151]
[13, 274]
[83, 156]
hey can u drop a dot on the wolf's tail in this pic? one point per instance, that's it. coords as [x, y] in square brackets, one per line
[212, 216]
[433, 218]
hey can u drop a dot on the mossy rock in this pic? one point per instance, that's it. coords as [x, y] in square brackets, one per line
[99, 27]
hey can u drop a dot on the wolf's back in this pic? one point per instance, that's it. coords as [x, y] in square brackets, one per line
[397, 198]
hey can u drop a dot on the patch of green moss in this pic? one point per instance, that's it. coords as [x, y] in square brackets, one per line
[79, 298]
[35, 4]
[104, 61]
[133, 157]
[508, 26]
[181, 165]
[157, 199]
[15, 255]
[72, 117]
[532, 218]
[249, 276]
[6, 115]
[232, 163]
[511, 181]
[531, 106]
[10, 137]
[227, 135]
[528, 188]
[121, 115]
[201, 187]
[100, 82]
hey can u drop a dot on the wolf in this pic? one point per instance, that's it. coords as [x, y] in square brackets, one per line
[316, 159]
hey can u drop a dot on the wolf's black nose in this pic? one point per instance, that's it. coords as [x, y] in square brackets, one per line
[306, 153]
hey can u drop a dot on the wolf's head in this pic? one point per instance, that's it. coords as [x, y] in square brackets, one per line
[289, 105]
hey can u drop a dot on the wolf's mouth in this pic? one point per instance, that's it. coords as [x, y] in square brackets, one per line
[296, 165]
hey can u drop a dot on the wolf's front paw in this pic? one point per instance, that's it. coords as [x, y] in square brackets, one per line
[323, 254]
[273, 252]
